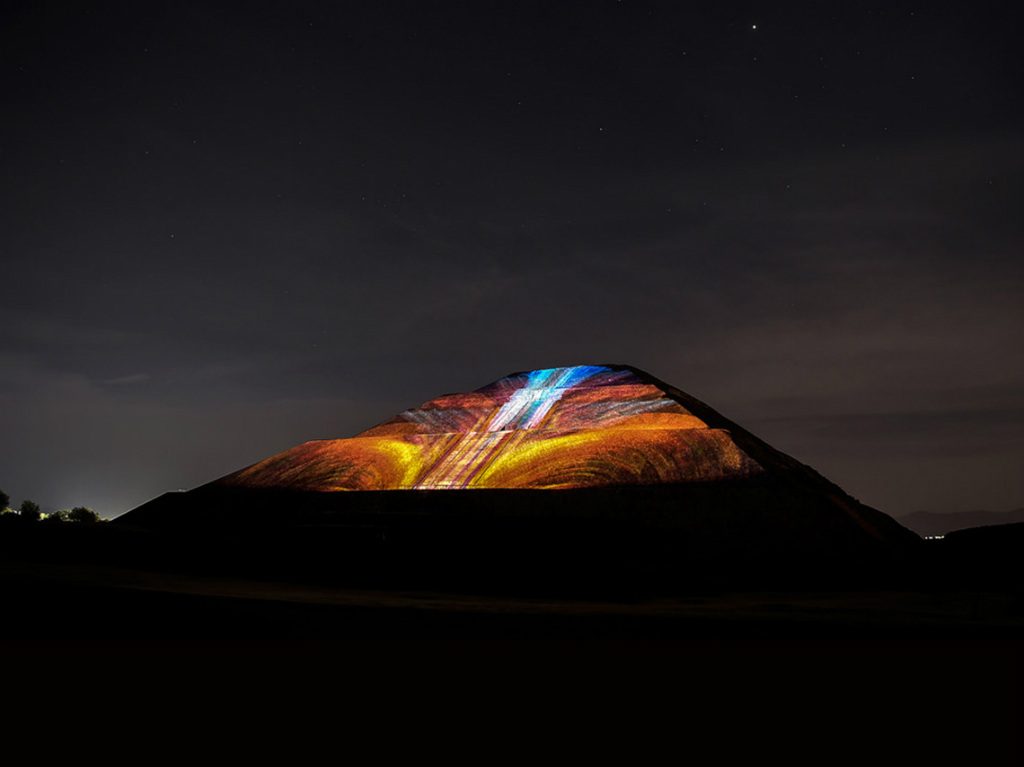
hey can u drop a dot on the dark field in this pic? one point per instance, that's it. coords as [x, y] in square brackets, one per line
[46, 600]
[235, 658]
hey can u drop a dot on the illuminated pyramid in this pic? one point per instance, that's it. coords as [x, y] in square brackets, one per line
[534, 476]
[568, 427]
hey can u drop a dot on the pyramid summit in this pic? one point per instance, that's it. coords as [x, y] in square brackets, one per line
[554, 428]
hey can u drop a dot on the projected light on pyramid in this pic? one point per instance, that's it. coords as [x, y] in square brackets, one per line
[580, 426]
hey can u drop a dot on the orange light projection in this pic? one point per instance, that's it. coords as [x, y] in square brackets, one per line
[566, 427]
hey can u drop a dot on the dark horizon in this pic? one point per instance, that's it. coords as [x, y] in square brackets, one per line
[227, 230]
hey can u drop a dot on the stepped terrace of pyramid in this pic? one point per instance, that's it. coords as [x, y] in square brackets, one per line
[566, 427]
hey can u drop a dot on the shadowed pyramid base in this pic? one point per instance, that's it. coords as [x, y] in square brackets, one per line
[756, 533]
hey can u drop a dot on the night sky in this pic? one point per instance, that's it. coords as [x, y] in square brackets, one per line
[227, 230]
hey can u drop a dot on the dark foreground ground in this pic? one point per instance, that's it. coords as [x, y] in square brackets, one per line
[223, 660]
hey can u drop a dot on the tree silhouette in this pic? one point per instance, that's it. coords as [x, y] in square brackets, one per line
[83, 514]
[5, 500]
[29, 510]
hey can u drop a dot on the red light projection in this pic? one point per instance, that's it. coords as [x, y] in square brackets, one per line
[578, 426]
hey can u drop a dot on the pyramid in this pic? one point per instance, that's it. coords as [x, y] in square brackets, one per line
[556, 428]
[538, 473]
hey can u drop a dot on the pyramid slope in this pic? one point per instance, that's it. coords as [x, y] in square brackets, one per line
[555, 428]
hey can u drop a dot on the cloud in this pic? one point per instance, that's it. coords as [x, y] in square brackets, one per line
[128, 380]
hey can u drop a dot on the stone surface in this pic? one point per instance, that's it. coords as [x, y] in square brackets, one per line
[568, 427]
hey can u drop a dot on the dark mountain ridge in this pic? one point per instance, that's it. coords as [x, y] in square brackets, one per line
[940, 523]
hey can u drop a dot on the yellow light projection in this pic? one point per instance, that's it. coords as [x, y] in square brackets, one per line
[578, 426]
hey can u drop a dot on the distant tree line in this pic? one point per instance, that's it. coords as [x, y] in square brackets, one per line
[29, 511]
